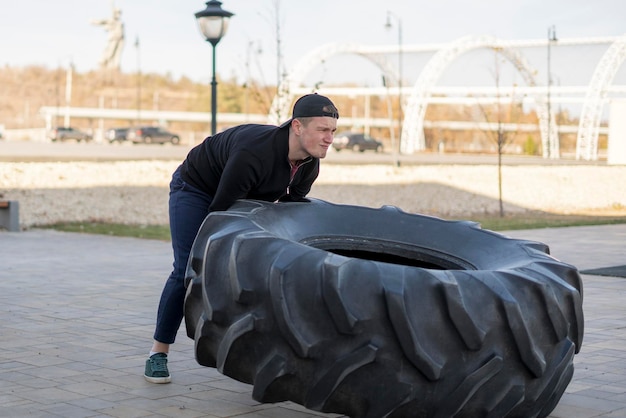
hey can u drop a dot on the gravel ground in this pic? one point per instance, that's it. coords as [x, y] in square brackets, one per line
[135, 192]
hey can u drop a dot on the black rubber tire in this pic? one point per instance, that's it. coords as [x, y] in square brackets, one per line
[376, 312]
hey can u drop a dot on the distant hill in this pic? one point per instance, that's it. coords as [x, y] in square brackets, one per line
[25, 90]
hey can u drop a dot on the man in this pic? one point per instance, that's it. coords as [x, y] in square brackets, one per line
[262, 162]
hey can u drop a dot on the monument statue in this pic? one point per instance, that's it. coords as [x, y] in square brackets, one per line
[115, 42]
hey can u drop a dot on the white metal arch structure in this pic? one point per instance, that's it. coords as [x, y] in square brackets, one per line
[412, 138]
[589, 126]
[279, 110]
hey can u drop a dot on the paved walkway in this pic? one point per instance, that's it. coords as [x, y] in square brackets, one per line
[77, 315]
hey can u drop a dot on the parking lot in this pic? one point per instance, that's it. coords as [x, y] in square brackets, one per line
[70, 151]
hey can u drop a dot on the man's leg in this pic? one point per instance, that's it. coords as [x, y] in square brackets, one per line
[188, 208]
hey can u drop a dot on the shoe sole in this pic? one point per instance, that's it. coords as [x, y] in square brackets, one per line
[158, 379]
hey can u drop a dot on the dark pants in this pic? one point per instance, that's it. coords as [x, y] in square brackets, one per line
[188, 207]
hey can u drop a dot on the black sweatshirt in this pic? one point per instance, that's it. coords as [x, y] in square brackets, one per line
[247, 162]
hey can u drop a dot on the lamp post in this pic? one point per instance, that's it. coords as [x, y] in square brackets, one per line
[213, 23]
[138, 82]
[551, 38]
[388, 25]
[68, 93]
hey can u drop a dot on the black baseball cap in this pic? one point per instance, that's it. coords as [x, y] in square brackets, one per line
[312, 105]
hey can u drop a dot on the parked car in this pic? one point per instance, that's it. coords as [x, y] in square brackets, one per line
[152, 134]
[65, 133]
[116, 135]
[356, 142]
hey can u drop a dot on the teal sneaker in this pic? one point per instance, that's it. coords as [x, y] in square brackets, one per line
[156, 369]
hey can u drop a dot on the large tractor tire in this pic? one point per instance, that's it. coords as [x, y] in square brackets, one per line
[380, 313]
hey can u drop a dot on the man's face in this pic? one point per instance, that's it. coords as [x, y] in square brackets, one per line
[317, 135]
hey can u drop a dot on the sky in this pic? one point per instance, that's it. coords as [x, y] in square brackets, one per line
[55, 33]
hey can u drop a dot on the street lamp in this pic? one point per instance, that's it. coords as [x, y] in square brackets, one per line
[388, 25]
[68, 93]
[138, 81]
[551, 38]
[213, 23]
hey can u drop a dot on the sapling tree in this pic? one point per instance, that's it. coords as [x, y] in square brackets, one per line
[505, 114]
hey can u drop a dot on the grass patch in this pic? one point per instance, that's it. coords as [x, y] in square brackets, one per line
[156, 232]
[510, 223]
[494, 223]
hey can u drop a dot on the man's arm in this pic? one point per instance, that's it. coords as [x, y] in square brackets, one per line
[240, 175]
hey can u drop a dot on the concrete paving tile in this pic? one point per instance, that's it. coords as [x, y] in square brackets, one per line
[300, 409]
[605, 378]
[116, 397]
[199, 400]
[91, 388]
[619, 413]
[598, 392]
[614, 345]
[8, 400]
[280, 413]
[93, 404]
[49, 395]
[617, 388]
[122, 362]
[184, 412]
[122, 411]
[189, 379]
[152, 404]
[77, 332]
[243, 398]
[39, 383]
[231, 385]
[127, 381]
[39, 359]
[148, 390]
[220, 407]
[591, 403]
[69, 411]
[563, 410]
[26, 411]
[619, 397]
[51, 372]
[7, 366]
[15, 377]
[81, 366]
[576, 386]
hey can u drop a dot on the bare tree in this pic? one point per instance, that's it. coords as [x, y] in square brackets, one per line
[502, 115]
[263, 94]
